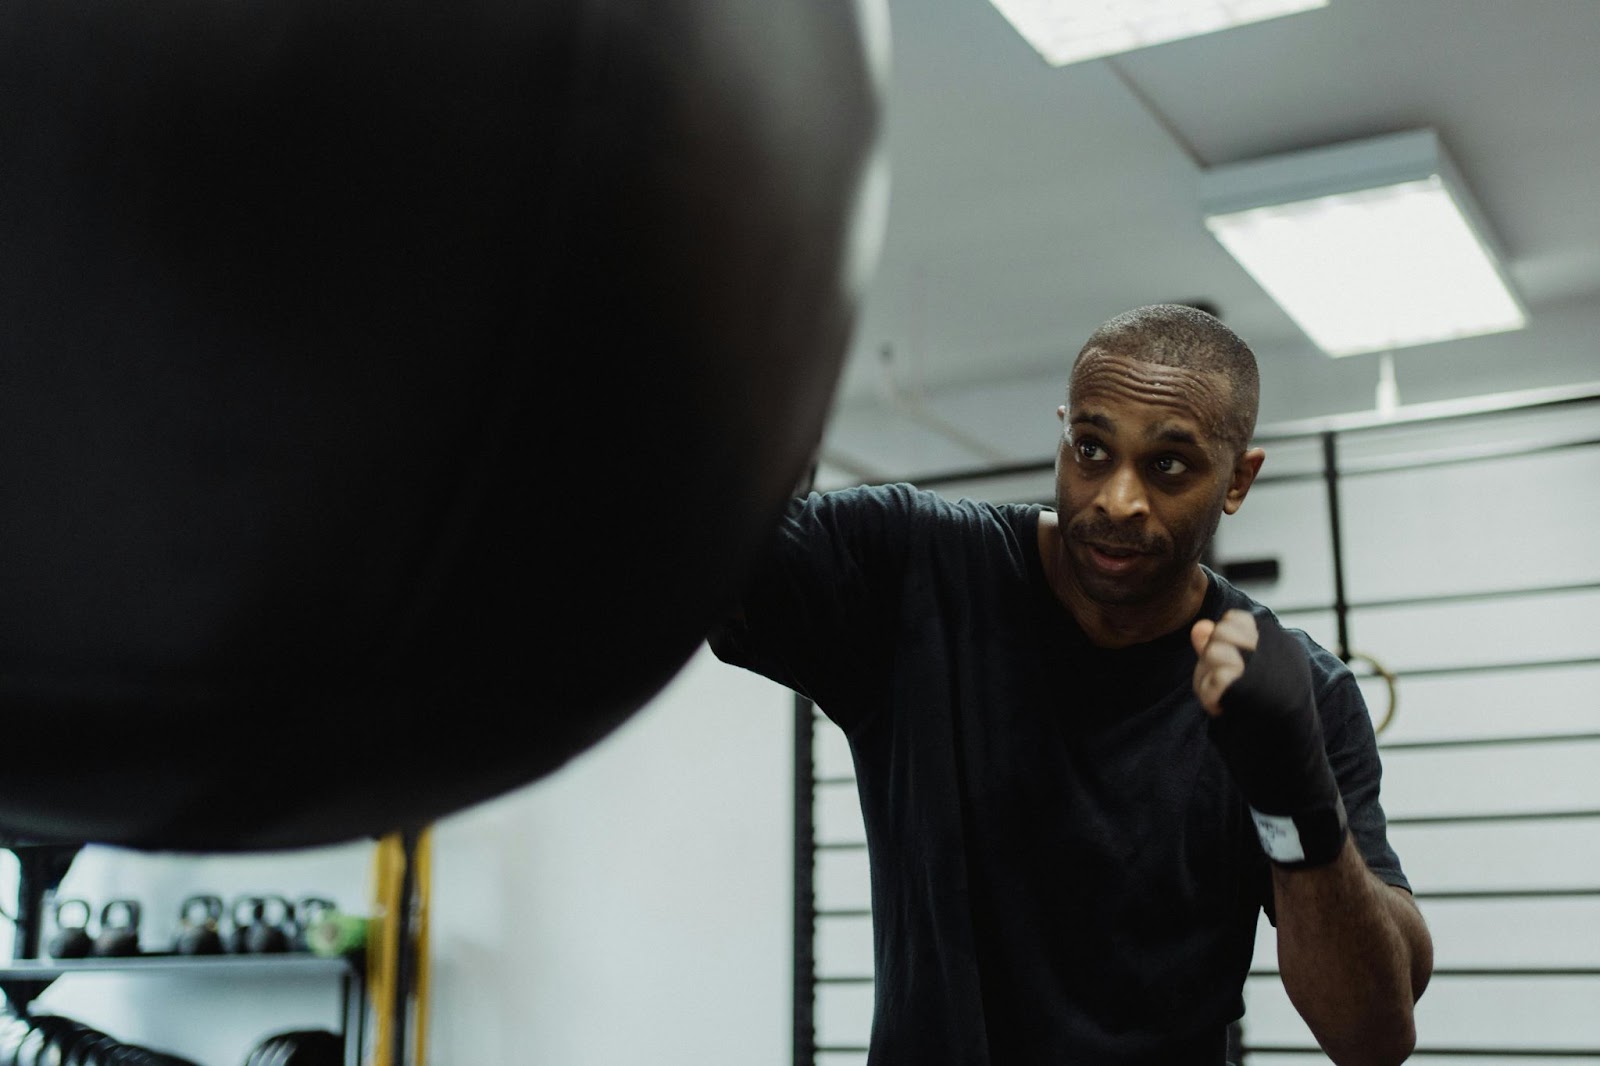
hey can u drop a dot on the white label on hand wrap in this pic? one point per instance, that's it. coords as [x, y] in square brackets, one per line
[1280, 839]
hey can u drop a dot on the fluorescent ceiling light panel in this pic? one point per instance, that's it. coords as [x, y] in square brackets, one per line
[1368, 246]
[1069, 31]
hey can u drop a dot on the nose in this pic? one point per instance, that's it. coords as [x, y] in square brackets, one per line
[1122, 495]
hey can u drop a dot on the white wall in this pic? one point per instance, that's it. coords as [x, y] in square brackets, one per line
[635, 906]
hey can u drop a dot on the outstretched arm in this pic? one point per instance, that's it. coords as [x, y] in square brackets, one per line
[1354, 953]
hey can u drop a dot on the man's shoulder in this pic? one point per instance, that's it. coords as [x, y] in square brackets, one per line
[924, 504]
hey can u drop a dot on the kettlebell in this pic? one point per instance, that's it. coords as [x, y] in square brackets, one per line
[200, 917]
[119, 929]
[72, 939]
[252, 933]
[269, 933]
[245, 912]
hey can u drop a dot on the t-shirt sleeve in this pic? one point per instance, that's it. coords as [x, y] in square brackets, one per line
[816, 609]
[1352, 747]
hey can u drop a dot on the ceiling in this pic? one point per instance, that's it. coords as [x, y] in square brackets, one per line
[1029, 203]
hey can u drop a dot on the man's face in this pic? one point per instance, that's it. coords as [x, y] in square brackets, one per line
[1142, 478]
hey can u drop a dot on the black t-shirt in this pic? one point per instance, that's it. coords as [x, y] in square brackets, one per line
[1062, 869]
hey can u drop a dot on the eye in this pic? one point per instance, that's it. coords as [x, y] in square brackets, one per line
[1171, 466]
[1089, 448]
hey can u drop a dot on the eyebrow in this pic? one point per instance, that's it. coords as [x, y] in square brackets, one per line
[1163, 432]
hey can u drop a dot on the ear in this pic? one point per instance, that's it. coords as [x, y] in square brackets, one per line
[1245, 469]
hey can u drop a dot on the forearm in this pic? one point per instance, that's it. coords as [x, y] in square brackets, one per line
[1355, 955]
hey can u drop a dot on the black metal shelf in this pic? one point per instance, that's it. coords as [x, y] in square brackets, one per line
[292, 964]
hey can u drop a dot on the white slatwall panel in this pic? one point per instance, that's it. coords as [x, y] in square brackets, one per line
[1500, 933]
[1482, 436]
[842, 881]
[1547, 1013]
[843, 1015]
[1305, 575]
[1504, 779]
[1515, 523]
[1461, 706]
[1500, 856]
[844, 945]
[1550, 627]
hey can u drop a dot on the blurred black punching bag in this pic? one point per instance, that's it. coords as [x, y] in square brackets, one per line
[393, 391]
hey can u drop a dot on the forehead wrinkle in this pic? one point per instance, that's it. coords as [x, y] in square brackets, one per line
[1165, 431]
[1194, 396]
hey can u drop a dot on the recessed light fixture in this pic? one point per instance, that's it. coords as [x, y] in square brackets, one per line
[1368, 246]
[1070, 31]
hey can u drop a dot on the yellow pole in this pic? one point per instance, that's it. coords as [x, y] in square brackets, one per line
[392, 915]
[383, 945]
[422, 861]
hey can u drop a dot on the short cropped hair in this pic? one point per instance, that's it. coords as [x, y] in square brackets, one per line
[1179, 335]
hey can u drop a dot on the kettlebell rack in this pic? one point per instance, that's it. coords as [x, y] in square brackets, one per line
[41, 868]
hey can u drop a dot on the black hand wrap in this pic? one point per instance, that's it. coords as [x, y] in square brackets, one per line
[1271, 737]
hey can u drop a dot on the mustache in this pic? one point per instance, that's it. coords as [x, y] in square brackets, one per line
[1108, 534]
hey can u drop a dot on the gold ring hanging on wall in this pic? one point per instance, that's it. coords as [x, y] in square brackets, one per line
[1379, 670]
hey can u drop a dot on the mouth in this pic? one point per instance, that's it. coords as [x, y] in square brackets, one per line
[1113, 559]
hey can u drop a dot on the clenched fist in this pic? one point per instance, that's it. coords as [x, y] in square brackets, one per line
[1254, 680]
[1221, 647]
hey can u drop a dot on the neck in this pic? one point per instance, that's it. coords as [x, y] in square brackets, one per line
[1117, 625]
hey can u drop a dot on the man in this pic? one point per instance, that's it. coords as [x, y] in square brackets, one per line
[1085, 761]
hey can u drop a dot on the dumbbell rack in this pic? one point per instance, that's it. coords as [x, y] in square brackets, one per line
[41, 868]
